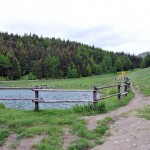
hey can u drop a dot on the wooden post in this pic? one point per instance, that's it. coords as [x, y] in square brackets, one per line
[128, 85]
[126, 88]
[94, 96]
[119, 94]
[36, 103]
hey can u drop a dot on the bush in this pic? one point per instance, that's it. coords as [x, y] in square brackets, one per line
[2, 106]
[31, 76]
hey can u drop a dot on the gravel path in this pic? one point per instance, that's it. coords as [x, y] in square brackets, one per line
[128, 131]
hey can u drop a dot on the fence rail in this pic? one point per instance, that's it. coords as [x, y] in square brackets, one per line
[95, 91]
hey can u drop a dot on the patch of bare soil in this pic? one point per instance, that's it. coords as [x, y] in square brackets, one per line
[68, 138]
[129, 131]
[10, 140]
[24, 144]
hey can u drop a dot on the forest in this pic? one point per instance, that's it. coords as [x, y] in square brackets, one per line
[56, 58]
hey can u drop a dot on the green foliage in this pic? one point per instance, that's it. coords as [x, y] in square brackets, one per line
[108, 61]
[126, 62]
[4, 65]
[72, 71]
[51, 57]
[89, 70]
[2, 106]
[145, 62]
[3, 135]
[80, 144]
[31, 76]
[118, 65]
[104, 65]
[90, 108]
[99, 69]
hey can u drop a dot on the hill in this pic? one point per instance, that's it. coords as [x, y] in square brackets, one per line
[143, 55]
[56, 58]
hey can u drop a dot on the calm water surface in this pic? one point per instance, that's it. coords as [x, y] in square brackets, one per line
[28, 104]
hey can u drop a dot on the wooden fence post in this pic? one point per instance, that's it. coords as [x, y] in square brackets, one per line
[36, 97]
[94, 96]
[126, 88]
[128, 85]
[119, 94]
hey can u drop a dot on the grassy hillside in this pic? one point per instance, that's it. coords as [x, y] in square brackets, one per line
[141, 80]
[78, 83]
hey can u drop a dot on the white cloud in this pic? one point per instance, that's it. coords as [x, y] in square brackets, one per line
[110, 24]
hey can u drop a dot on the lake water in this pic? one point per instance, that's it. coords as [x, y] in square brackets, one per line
[29, 105]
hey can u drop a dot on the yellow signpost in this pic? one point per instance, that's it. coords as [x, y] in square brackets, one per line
[121, 76]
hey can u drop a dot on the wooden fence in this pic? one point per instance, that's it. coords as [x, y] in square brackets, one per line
[95, 90]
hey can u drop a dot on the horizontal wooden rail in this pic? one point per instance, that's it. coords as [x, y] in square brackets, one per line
[17, 99]
[124, 93]
[61, 101]
[16, 88]
[56, 90]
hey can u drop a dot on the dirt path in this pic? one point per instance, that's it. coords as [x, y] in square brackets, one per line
[138, 101]
[129, 131]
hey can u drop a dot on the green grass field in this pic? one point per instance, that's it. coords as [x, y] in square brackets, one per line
[79, 83]
[52, 122]
[140, 79]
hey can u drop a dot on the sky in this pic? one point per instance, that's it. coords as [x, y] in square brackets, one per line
[113, 25]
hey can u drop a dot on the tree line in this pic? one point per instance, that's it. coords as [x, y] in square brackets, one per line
[55, 58]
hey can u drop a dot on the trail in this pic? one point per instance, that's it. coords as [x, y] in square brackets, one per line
[128, 131]
[138, 101]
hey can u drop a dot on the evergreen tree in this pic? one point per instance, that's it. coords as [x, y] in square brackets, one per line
[118, 65]
[15, 69]
[108, 62]
[145, 62]
[89, 70]
[72, 71]
[104, 65]
[99, 69]
[4, 64]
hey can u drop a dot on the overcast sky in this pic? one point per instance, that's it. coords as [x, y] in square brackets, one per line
[114, 25]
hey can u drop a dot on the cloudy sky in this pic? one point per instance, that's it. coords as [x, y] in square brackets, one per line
[114, 25]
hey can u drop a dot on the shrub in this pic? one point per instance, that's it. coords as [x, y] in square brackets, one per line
[2, 106]
[31, 76]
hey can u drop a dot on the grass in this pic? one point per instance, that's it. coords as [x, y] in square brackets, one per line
[79, 83]
[145, 112]
[140, 79]
[104, 106]
[50, 122]
[88, 139]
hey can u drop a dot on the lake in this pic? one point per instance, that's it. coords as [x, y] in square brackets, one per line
[29, 105]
